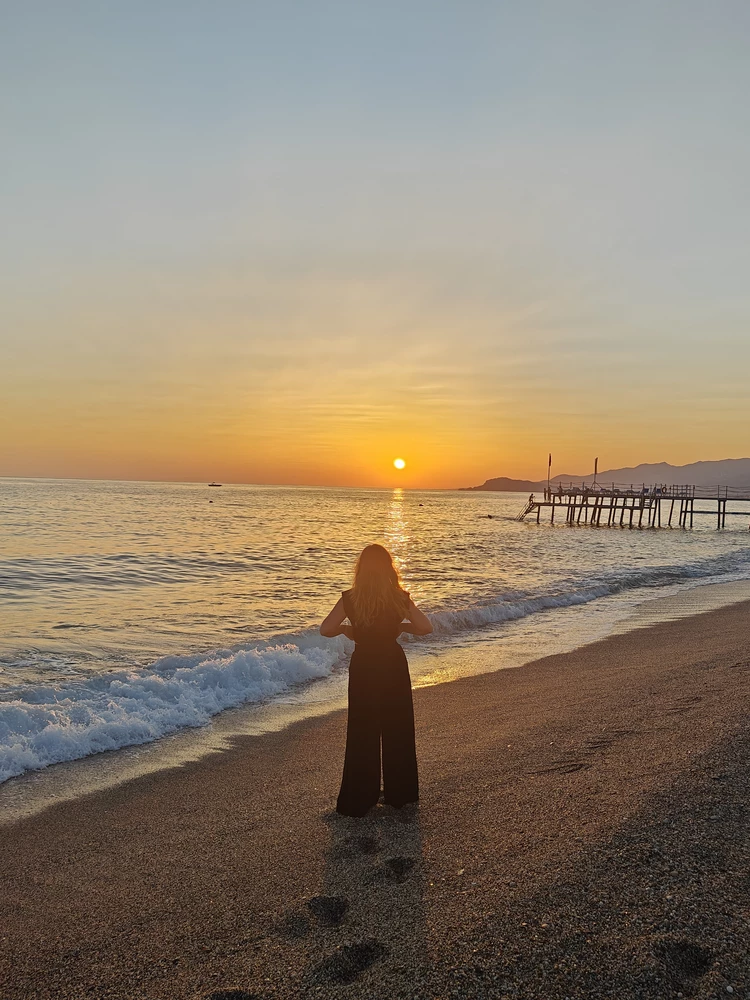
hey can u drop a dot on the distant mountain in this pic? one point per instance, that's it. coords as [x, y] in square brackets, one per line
[504, 485]
[727, 472]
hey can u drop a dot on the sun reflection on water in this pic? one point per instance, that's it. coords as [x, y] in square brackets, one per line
[397, 535]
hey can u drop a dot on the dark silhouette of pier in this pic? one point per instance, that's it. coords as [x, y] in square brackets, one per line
[632, 505]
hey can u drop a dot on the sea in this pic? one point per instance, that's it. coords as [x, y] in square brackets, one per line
[133, 612]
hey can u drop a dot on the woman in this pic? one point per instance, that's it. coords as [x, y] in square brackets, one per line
[380, 705]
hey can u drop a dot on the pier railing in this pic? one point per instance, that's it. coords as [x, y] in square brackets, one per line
[629, 504]
[650, 490]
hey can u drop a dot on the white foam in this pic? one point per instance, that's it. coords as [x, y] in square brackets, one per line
[45, 724]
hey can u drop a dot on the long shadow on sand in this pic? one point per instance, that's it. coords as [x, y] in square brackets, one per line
[363, 923]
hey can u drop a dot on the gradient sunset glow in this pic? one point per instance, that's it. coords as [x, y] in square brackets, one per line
[286, 243]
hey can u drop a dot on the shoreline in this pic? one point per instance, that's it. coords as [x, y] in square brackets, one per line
[516, 644]
[582, 832]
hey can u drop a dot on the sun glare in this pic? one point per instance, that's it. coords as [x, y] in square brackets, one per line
[399, 463]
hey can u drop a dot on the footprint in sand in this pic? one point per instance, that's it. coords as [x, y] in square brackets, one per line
[599, 743]
[393, 870]
[349, 961]
[563, 767]
[685, 960]
[352, 846]
[232, 995]
[606, 739]
[682, 706]
[329, 910]
[399, 868]
[296, 923]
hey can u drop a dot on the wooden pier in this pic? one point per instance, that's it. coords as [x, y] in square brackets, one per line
[635, 506]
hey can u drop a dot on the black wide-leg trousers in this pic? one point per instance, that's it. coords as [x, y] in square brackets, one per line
[380, 723]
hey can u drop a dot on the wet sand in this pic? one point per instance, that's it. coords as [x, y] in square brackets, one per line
[583, 832]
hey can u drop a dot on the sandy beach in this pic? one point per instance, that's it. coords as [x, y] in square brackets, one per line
[582, 832]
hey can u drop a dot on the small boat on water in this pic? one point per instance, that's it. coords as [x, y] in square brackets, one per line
[215, 484]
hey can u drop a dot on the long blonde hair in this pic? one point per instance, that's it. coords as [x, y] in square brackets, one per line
[377, 586]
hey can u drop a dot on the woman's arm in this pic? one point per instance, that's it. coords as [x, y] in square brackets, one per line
[418, 623]
[333, 626]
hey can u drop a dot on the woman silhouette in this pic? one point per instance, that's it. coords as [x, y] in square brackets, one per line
[380, 704]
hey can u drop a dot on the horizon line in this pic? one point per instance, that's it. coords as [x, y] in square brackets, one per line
[426, 489]
[197, 482]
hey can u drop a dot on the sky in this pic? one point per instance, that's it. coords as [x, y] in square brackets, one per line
[276, 242]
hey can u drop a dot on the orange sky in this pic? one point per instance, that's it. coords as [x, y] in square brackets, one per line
[291, 379]
[201, 404]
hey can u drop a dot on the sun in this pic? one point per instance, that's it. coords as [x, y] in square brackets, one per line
[399, 463]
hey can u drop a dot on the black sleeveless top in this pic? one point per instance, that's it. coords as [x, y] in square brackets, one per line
[384, 630]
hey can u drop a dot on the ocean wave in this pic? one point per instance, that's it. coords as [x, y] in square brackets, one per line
[43, 724]
[121, 570]
[515, 606]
